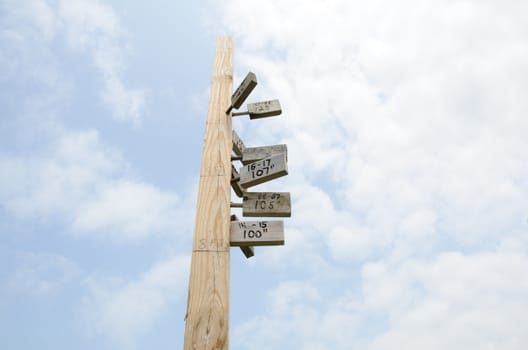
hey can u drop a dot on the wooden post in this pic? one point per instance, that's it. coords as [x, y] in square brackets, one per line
[207, 319]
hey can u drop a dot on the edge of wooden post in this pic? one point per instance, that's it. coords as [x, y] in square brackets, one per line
[207, 319]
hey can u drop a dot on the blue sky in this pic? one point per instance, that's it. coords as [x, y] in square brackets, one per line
[406, 130]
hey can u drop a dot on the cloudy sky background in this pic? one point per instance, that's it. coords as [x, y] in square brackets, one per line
[406, 129]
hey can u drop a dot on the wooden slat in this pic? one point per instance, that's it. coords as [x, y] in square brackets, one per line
[248, 251]
[238, 145]
[242, 92]
[264, 170]
[264, 109]
[207, 319]
[235, 182]
[253, 154]
[257, 233]
[268, 204]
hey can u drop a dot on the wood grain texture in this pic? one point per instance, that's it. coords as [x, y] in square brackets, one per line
[263, 170]
[264, 109]
[254, 154]
[257, 233]
[238, 145]
[242, 92]
[269, 204]
[207, 319]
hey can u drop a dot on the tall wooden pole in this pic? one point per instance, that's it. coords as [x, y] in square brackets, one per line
[207, 319]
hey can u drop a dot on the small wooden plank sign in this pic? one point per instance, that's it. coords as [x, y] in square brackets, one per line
[238, 145]
[264, 109]
[263, 170]
[270, 204]
[243, 91]
[257, 233]
[247, 250]
[261, 109]
[235, 182]
[253, 154]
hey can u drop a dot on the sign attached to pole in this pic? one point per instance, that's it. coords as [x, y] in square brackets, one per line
[264, 170]
[235, 182]
[238, 145]
[243, 91]
[261, 109]
[264, 109]
[269, 204]
[257, 233]
[253, 154]
[247, 250]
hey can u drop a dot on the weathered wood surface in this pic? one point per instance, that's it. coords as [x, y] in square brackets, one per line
[235, 182]
[244, 89]
[207, 319]
[257, 233]
[238, 145]
[264, 109]
[264, 170]
[248, 251]
[268, 204]
[253, 154]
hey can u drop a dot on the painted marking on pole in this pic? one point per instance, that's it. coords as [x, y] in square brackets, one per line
[243, 91]
[264, 109]
[270, 204]
[264, 170]
[257, 233]
[238, 145]
[253, 154]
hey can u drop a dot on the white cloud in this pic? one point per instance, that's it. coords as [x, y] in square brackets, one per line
[116, 204]
[288, 315]
[87, 185]
[87, 26]
[405, 124]
[92, 26]
[124, 311]
[455, 300]
[411, 115]
[57, 181]
[42, 274]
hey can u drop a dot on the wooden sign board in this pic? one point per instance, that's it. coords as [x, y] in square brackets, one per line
[243, 91]
[247, 250]
[270, 204]
[264, 109]
[252, 154]
[235, 182]
[257, 233]
[238, 145]
[264, 170]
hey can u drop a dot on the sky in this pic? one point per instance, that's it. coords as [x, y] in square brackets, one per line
[406, 130]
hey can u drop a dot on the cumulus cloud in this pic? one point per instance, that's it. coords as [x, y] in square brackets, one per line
[453, 300]
[124, 311]
[87, 26]
[406, 129]
[87, 185]
[403, 114]
[93, 27]
[115, 205]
